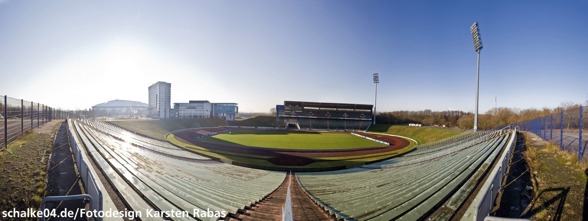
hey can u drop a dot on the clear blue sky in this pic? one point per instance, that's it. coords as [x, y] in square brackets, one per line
[75, 54]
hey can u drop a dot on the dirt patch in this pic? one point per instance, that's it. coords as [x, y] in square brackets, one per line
[48, 128]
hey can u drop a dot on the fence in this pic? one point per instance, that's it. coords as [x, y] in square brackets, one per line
[564, 128]
[19, 116]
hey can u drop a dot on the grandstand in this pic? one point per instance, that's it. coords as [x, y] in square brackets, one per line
[320, 115]
[409, 187]
[153, 174]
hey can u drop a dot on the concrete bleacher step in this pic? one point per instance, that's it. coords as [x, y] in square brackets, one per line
[270, 207]
[263, 216]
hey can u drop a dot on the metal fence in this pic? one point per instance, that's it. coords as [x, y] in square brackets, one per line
[18, 116]
[564, 128]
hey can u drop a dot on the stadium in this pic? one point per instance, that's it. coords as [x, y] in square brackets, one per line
[318, 161]
[310, 136]
[260, 110]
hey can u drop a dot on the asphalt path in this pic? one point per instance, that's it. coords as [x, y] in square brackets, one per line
[14, 128]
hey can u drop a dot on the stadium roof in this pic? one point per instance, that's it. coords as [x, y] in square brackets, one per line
[121, 103]
[328, 105]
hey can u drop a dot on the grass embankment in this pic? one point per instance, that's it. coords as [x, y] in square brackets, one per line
[422, 135]
[22, 170]
[157, 129]
[559, 180]
[257, 121]
[294, 140]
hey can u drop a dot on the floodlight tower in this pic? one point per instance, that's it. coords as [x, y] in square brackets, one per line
[478, 47]
[376, 81]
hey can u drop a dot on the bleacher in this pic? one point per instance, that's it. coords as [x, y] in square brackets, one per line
[330, 116]
[406, 187]
[170, 184]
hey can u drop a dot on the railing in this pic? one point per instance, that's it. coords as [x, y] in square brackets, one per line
[287, 208]
[18, 116]
[564, 128]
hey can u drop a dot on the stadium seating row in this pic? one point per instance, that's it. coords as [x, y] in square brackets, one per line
[405, 187]
[175, 184]
[332, 114]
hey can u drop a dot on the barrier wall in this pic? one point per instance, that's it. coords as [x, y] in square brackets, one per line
[484, 201]
[87, 176]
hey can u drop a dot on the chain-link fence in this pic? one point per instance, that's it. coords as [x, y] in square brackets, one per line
[564, 128]
[17, 116]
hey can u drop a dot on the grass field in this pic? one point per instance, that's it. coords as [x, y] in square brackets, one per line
[259, 161]
[294, 140]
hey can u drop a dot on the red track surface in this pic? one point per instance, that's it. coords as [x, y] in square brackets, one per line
[291, 157]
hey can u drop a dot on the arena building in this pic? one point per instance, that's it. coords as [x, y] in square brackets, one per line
[120, 108]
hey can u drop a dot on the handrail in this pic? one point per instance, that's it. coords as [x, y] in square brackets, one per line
[85, 197]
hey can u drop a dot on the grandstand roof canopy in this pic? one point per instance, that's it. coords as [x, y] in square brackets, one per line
[321, 105]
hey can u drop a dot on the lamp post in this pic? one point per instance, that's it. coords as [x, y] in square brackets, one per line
[376, 81]
[478, 47]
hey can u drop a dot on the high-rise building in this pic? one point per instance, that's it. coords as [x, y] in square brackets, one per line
[159, 100]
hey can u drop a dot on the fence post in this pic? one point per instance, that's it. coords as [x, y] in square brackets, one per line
[580, 146]
[21, 116]
[32, 108]
[5, 122]
[38, 114]
[561, 125]
[551, 127]
[544, 127]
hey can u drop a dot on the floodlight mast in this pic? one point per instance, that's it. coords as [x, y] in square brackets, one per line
[376, 81]
[474, 29]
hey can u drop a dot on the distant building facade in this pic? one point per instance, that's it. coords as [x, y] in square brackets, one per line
[228, 111]
[193, 109]
[205, 109]
[160, 100]
[120, 108]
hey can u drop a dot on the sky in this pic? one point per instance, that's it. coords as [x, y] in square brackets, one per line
[258, 53]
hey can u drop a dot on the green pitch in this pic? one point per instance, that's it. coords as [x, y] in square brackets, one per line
[294, 140]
